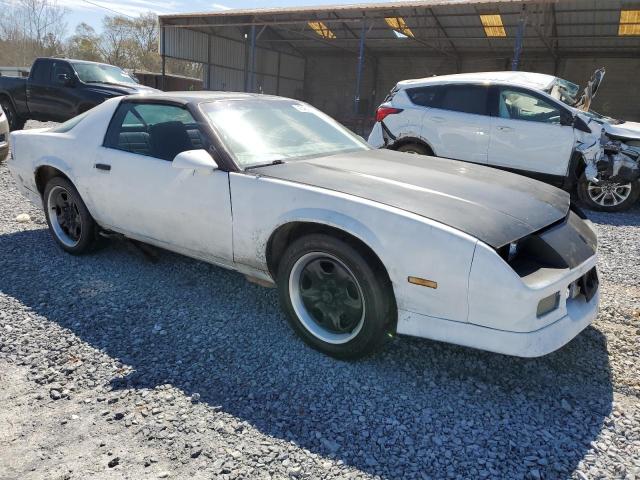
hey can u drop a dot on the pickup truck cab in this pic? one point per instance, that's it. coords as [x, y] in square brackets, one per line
[59, 89]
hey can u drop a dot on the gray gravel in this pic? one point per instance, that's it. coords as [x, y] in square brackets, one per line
[116, 366]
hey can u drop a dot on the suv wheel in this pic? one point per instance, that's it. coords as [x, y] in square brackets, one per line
[608, 196]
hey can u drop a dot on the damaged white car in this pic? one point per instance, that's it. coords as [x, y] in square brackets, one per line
[533, 124]
[360, 242]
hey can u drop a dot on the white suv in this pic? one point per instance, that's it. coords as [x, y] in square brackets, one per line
[529, 123]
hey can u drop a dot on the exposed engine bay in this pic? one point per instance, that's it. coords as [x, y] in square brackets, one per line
[611, 159]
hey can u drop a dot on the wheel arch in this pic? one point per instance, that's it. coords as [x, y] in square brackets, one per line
[576, 168]
[408, 140]
[44, 173]
[288, 232]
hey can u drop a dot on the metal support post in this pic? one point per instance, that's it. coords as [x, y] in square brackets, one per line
[517, 50]
[363, 34]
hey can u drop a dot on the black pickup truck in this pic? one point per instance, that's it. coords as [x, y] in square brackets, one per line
[59, 89]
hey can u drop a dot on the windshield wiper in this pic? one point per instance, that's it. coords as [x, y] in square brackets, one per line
[265, 164]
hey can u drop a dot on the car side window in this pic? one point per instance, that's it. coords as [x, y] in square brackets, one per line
[60, 69]
[465, 99]
[155, 130]
[519, 105]
[425, 96]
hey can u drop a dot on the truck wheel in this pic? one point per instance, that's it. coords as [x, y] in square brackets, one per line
[335, 299]
[608, 196]
[70, 223]
[15, 122]
[415, 148]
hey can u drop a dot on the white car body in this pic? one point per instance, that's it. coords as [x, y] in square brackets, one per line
[228, 217]
[540, 148]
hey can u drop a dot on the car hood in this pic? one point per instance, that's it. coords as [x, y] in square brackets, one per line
[494, 206]
[121, 89]
[628, 130]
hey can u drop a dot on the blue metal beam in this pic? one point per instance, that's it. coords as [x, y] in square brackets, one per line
[517, 50]
[363, 34]
[252, 75]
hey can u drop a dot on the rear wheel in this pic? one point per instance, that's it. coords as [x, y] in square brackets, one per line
[334, 297]
[70, 223]
[608, 196]
[15, 122]
[415, 148]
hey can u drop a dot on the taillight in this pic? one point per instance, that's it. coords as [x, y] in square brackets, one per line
[383, 112]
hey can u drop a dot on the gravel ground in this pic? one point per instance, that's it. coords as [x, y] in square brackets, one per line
[117, 366]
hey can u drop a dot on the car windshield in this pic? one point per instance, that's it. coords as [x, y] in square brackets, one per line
[568, 92]
[100, 73]
[263, 131]
[565, 91]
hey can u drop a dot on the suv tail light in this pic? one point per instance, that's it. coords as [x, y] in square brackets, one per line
[383, 112]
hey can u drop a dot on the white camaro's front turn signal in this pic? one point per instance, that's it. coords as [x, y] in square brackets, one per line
[548, 304]
[423, 282]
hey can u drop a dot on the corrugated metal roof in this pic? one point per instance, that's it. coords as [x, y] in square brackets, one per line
[447, 27]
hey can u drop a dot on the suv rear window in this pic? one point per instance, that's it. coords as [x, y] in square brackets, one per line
[425, 96]
[465, 98]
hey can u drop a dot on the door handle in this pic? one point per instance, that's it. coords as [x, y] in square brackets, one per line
[504, 129]
[102, 166]
[438, 119]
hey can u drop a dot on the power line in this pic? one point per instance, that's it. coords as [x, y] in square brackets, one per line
[107, 8]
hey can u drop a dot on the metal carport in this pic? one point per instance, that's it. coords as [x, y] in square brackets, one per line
[345, 58]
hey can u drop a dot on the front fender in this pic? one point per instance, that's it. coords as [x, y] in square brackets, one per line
[406, 244]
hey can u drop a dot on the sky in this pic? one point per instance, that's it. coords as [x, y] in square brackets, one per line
[93, 11]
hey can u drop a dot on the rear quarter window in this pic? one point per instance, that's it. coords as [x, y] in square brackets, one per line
[425, 96]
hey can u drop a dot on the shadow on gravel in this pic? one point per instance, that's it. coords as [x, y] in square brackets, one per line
[629, 218]
[417, 408]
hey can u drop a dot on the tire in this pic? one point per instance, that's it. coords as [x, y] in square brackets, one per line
[415, 148]
[322, 279]
[73, 228]
[15, 122]
[623, 199]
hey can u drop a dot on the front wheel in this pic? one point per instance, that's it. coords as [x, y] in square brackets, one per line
[70, 223]
[608, 196]
[335, 298]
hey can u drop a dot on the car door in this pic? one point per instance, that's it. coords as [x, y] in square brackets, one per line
[62, 96]
[458, 124]
[136, 191]
[527, 133]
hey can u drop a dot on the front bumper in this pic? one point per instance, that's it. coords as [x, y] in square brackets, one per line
[376, 137]
[580, 313]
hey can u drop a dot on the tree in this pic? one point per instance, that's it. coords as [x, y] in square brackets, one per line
[85, 44]
[31, 28]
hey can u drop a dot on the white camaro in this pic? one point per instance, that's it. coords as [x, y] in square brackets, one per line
[360, 242]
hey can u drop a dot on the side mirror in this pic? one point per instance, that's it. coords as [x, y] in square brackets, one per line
[566, 118]
[198, 160]
[65, 79]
